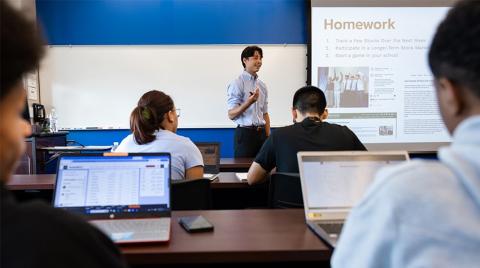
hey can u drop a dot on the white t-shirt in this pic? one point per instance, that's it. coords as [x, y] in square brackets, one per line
[185, 154]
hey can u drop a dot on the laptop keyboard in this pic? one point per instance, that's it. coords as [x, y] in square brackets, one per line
[135, 229]
[331, 227]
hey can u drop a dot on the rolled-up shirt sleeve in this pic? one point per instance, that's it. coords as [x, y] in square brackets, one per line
[234, 95]
[265, 104]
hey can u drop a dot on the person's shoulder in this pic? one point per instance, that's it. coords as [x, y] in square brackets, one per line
[237, 81]
[179, 138]
[409, 182]
[126, 143]
[128, 138]
[281, 132]
[288, 128]
[183, 141]
[338, 130]
[336, 127]
[262, 84]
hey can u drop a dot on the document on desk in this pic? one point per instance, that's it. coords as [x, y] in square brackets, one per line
[78, 148]
[241, 176]
[97, 147]
[62, 148]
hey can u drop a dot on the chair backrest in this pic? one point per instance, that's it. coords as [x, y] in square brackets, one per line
[285, 191]
[191, 195]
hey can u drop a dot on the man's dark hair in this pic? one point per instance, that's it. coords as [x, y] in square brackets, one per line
[20, 50]
[309, 99]
[249, 52]
[455, 50]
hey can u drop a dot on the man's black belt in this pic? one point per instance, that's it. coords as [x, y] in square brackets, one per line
[257, 128]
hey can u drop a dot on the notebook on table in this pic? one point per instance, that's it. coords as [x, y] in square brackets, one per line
[242, 176]
[127, 196]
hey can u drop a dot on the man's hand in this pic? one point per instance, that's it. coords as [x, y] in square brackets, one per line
[233, 113]
[254, 96]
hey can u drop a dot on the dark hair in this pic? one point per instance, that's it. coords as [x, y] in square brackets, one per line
[309, 99]
[147, 117]
[249, 52]
[20, 50]
[455, 50]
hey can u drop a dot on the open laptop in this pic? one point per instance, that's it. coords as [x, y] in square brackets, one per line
[211, 158]
[333, 182]
[127, 196]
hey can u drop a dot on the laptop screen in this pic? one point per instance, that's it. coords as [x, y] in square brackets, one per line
[339, 181]
[211, 156]
[95, 184]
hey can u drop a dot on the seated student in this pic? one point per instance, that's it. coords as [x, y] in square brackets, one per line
[34, 234]
[154, 122]
[308, 133]
[427, 213]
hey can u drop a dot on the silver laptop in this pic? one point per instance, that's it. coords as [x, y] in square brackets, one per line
[333, 182]
[211, 158]
[127, 196]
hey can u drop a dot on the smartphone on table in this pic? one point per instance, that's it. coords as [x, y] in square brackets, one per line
[195, 224]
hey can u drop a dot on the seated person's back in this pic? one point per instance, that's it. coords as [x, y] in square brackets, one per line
[153, 123]
[308, 133]
[427, 213]
[33, 234]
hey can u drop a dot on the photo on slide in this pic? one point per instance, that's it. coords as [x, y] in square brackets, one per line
[385, 130]
[344, 87]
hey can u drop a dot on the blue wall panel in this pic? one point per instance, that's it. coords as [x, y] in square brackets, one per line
[148, 22]
[107, 137]
[224, 136]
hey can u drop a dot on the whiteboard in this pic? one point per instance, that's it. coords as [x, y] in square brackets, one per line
[99, 86]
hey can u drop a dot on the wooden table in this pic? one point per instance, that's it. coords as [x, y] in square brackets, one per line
[235, 164]
[240, 236]
[47, 182]
[31, 182]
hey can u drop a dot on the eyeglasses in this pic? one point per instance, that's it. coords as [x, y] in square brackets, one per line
[177, 111]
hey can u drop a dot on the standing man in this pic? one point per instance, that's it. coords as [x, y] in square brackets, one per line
[248, 105]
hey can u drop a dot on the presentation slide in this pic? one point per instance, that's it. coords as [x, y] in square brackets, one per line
[371, 62]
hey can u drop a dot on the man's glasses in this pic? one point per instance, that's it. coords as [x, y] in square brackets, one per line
[178, 112]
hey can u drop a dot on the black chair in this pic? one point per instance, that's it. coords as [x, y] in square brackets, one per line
[191, 195]
[285, 191]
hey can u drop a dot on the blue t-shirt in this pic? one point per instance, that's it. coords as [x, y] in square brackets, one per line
[184, 153]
